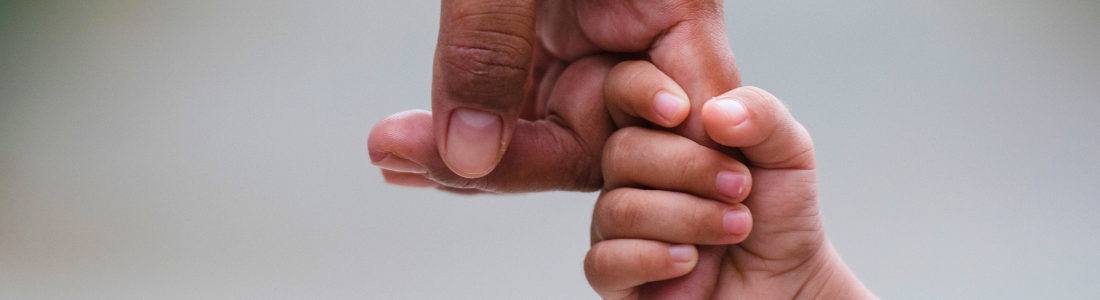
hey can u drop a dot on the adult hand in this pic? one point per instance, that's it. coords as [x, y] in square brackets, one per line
[492, 57]
[554, 150]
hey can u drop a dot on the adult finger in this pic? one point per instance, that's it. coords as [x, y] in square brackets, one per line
[481, 74]
[407, 179]
[616, 268]
[415, 180]
[534, 162]
[637, 89]
[560, 152]
[638, 157]
[763, 128]
[670, 217]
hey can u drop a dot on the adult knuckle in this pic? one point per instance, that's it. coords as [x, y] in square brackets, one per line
[488, 46]
[587, 174]
[482, 57]
[583, 172]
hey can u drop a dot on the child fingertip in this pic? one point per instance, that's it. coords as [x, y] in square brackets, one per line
[682, 253]
[669, 107]
[734, 112]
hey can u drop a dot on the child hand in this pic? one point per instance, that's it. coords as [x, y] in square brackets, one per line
[663, 192]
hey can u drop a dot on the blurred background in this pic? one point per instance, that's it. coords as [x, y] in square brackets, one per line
[217, 150]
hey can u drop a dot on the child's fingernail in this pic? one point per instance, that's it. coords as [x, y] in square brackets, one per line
[668, 106]
[473, 142]
[396, 163]
[730, 184]
[737, 222]
[681, 253]
[733, 109]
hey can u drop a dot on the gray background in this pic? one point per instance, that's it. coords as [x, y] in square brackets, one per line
[217, 150]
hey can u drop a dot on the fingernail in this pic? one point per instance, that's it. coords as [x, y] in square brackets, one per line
[737, 222]
[396, 163]
[734, 110]
[668, 106]
[408, 180]
[473, 142]
[681, 253]
[730, 184]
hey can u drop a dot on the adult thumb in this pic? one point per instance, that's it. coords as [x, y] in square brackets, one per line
[481, 75]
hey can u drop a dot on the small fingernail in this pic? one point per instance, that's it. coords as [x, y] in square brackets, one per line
[473, 142]
[730, 184]
[667, 105]
[681, 253]
[737, 222]
[734, 110]
[396, 163]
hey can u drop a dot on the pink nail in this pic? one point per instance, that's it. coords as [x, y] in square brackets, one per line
[681, 253]
[473, 142]
[667, 105]
[730, 184]
[734, 110]
[737, 222]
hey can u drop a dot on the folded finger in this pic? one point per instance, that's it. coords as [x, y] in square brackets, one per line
[616, 268]
[636, 90]
[669, 216]
[761, 126]
[638, 157]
